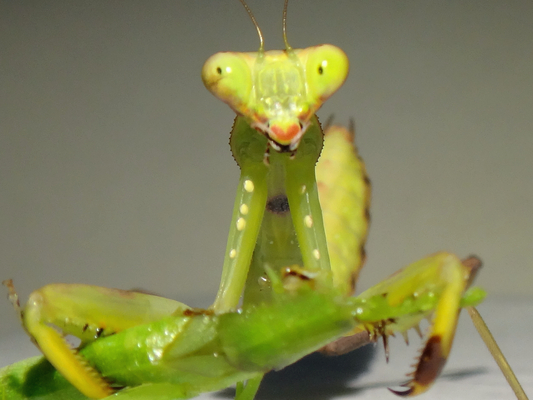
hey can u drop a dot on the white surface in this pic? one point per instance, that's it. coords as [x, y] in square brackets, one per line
[469, 374]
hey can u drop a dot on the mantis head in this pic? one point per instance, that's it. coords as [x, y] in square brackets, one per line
[277, 91]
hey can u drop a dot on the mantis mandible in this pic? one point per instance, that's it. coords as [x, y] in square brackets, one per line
[294, 250]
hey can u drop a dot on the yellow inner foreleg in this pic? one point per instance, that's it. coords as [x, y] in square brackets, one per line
[87, 312]
[434, 285]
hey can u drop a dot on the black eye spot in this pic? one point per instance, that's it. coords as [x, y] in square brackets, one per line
[320, 70]
[219, 70]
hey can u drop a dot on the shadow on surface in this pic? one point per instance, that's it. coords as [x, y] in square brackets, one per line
[313, 377]
[320, 377]
[464, 373]
[451, 376]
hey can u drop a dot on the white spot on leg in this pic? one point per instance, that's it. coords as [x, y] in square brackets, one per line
[241, 224]
[303, 189]
[248, 186]
[243, 209]
[232, 253]
[316, 253]
[308, 221]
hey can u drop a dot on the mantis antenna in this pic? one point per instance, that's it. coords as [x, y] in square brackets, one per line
[287, 45]
[261, 41]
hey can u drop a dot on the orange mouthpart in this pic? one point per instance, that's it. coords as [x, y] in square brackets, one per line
[285, 135]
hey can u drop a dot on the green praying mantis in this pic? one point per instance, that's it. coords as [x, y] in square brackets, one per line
[295, 247]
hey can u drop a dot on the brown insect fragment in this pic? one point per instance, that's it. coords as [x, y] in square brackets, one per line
[386, 347]
[191, 312]
[347, 344]
[405, 337]
[417, 329]
[431, 362]
[428, 368]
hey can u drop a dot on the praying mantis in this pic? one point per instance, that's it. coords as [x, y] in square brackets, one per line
[224, 340]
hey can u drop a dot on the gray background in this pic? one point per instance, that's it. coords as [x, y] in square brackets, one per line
[114, 163]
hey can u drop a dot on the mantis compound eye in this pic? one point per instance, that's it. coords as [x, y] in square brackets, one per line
[227, 75]
[326, 68]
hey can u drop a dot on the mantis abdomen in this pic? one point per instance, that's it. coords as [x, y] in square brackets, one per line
[344, 192]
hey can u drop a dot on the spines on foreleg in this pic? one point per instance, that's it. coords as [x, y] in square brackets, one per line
[454, 277]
